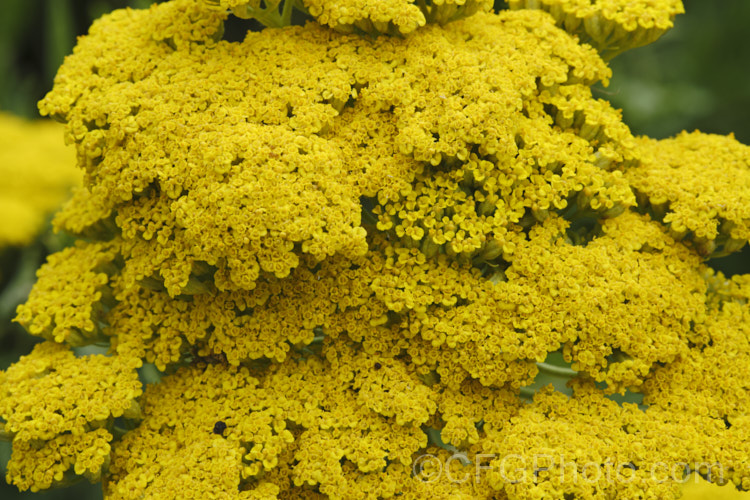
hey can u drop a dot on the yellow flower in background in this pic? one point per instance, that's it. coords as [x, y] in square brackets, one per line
[697, 488]
[37, 171]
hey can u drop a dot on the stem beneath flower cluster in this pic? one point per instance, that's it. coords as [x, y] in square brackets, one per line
[560, 371]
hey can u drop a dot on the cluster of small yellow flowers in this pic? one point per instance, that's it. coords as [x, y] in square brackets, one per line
[713, 378]
[38, 171]
[722, 289]
[79, 394]
[495, 161]
[621, 303]
[392, 17]
[164, 156]
[347, 253]
[462, 410]
[611, 26]
[587, 446]
[574, 108]
[280, 431]
[455, 323]
[263, 323]
[467, 87]
[59, 409]
[230, 433]
[38, 465]
[526, 451]
[735, 457]
[699, 186]
[283, 190]
[195, 423]
[387, 16]
[74, 282]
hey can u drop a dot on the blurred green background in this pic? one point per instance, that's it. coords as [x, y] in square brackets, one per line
[696, 77]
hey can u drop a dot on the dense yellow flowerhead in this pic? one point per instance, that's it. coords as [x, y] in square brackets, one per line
[240, 180]
[348, 264]
[59, 411]
[80, 393]
[392, 17]
[611, 26]
[699, 185]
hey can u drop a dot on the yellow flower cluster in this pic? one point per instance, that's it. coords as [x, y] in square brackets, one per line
[76, 280]
[278, 432]
[37, 171]
[265, 323]
[38, 465]
[722, 289]
[58, 410]
[347, 253]
[587, 446]
[392, 17]
[713, 379]
[231, 433]
[454, 211]
[598, 298]
[612, 26]
[262, 140]
[699, 186]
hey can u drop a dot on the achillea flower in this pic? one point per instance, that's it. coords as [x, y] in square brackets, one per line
[393, 17]
[715, 373]
[619, 449]
[295, 413]
[345, 254]
[59, 411]
[611, 26]
[165, 179]
[58, 462]
[75, 280]
[79, 394]
[699, 186]
[665, 301]
[37, 171]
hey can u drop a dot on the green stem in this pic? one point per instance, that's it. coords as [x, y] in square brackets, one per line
[118, 432]
[560, 371]
[425, 10]
[269, 18]
[5, 436]
[527, 392]
[286, 13]
[368, 217]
